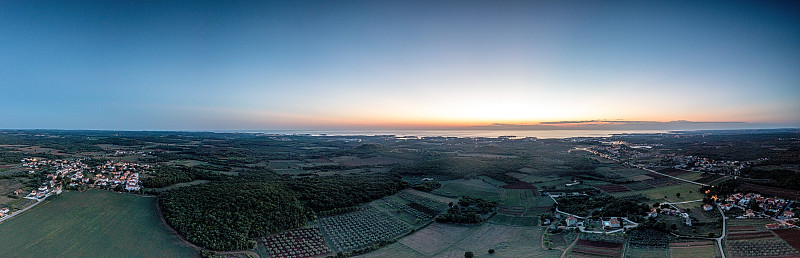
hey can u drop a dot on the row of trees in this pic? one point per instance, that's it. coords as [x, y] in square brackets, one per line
[601, 206]
[467, 210]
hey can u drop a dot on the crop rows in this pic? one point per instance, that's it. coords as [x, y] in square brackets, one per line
[761, 247]
[394, 204]
[304, 242]
[613, 188]
[437, 206]
[733, 229]
[753, 235]
[360, 228]
[649, 239]
[791, 236]
[594, 252]
[511, 210]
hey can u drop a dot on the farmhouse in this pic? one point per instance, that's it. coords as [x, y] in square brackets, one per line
[612, 223]
[652, 214]
[707, 207]
[571, 220]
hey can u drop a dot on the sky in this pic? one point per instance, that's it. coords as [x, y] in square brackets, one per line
[260, 65]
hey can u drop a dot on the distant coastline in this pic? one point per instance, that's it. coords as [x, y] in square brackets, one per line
[544, 134]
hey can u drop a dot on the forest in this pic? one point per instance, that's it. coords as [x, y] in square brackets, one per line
[227, 214]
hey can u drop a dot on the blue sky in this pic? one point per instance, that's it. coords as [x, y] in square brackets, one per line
[181, 65]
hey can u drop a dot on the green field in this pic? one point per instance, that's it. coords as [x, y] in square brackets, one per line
[514, 220]
[688, 191]
[474, 188]
[96, 223]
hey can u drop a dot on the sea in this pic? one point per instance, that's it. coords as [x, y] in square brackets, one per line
[542, 134]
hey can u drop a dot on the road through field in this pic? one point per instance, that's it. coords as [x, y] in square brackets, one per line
[20, 211]
[673, 177]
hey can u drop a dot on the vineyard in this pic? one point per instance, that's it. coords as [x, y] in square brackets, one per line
[434, 205]
[304, 242]
[649, 238]
[761, 247]
[360, 229]
[750, 235]
[397, 205]
[791, 236]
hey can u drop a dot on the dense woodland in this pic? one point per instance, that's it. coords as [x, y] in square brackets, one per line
[228, 214]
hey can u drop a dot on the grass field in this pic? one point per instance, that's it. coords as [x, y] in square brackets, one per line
[474, 188]
[633, 251]
[709, 250]
[91, 224]
[514, 220]
[688, 191]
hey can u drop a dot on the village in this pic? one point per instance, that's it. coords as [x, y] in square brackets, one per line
[59, 175]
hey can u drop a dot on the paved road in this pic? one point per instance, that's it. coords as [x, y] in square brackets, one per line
[724, 230]
[684, 202]
[688, 181]
[20, 211]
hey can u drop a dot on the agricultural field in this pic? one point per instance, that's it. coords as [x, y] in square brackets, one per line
[613, 188]
[647, 244]
[360, 229]
[92, 224]
[413, 207]
[514, 220]
[749, 238]
[447, 240]
[472, 187]
[693, 248]
[303, 242]
[791, 236]
[688, 191]
[595, 248]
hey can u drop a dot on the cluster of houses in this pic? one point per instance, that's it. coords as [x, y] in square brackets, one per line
[3, 212]
[617, 150]
[75, 173]
[694, 163]
[778, 207]
[674, 211]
